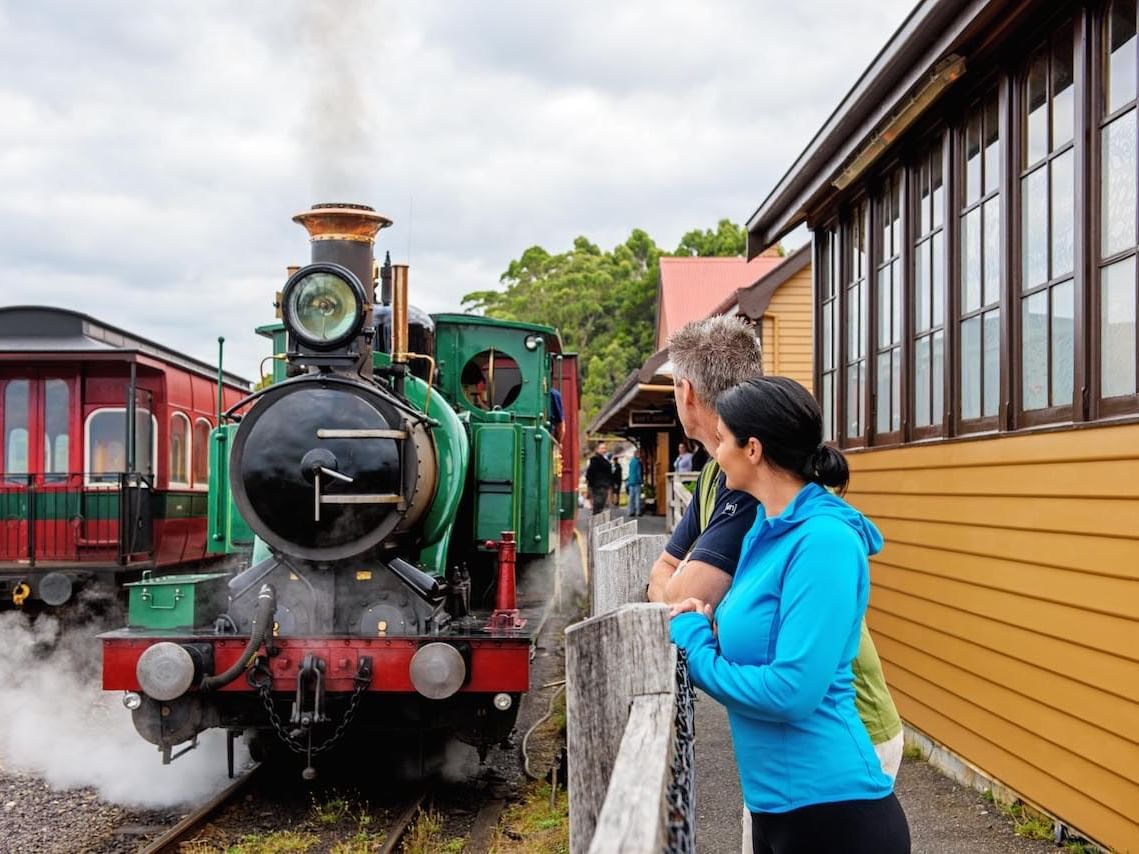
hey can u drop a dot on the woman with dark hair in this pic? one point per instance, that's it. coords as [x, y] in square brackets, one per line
[785, 634]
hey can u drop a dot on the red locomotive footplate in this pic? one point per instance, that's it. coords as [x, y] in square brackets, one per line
[499, 665]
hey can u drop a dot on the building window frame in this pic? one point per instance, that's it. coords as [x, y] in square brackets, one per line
[828, 322]
[856, 268]
[1024, 169]
[890, 251]
[924, 235]
[1104, 257]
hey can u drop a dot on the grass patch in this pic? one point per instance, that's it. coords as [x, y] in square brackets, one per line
[278, 842]
[331, 811]
[1028, 823]
[425, 836]
[531, 826]
[912, 752]
[558, 718]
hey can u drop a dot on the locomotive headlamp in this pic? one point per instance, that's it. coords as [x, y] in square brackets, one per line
[131, 700]
[323, 306]
[532, 342]
[503, 702]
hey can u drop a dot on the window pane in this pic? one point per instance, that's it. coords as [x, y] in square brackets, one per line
[852, 325]
[179, 428]
[106, 449]
[1036, 93]
[201, 455]
[936, 183]
[863, 320]
[1117, 322]
[1034, 351]
[885, 384]
[992, 360]
[827, 335]
[828, 407]
[971, 261]
[896, 386]
[937, 378]
[1119, 75]
[1034, 262]
[826, 284]
[896, 213]
[937, 265]
[57, 426]
[924, 206]
[992, 240]
[921, 383]
[921, 287]
[992, 145]
[858, 239]
[883, 314]
[1063, 344]
[1063, 93]
[896, 274]
[16, 427]
[971, 368]
[1063, 204]
[973, 159]
[1119, 175]
[854, 376]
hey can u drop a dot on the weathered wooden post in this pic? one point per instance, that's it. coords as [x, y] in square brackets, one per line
[610, 533]
[622, 569]
[611, 660]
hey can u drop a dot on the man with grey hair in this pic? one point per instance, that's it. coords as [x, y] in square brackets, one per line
[709, 357]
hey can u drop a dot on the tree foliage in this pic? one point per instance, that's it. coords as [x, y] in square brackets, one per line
[603, 302]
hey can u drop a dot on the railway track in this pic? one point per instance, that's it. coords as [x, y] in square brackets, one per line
[181, 832]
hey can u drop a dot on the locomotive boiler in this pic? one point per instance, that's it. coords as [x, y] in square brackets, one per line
[393, 491]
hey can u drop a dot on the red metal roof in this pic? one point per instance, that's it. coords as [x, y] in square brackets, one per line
[690, 288]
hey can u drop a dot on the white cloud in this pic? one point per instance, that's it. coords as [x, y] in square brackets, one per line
[151, 154]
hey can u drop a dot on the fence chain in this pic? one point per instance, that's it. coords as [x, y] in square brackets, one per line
[682, 788]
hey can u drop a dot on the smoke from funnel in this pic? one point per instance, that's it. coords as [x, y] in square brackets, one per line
[342, 61]
[57, 723]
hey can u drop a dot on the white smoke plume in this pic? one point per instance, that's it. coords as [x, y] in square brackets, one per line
[57, 723]
[343, 69]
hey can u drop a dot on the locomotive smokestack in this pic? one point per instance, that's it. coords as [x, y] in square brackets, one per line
[345, 234]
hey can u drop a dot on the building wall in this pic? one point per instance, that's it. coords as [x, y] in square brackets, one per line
[1005, 606]
[787, 337]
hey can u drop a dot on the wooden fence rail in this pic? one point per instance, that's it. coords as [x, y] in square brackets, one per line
[620, 700]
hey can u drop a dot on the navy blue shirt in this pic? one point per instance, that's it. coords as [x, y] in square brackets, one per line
[719, 544]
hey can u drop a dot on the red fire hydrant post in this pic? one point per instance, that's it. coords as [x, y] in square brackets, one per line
[505, 614]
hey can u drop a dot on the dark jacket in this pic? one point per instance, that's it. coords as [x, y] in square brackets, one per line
[598, 474]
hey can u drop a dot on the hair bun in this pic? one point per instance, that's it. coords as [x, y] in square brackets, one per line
[830, 468]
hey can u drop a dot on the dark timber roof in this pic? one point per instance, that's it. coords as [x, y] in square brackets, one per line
[45, 329]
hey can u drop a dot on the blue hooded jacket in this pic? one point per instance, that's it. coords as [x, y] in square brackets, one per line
[786, 633]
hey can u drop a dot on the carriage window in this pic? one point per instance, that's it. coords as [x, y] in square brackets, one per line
[828, 288]
[888, 303]
[106, 444]
[1047, 226]
[855, 310]
[979, 294]
[180, 449]
[201, 454]
[16, 427]
[57, 428]
[491, 380]
[1118, 210]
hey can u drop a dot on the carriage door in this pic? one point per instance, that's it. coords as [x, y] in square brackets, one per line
[39, 481]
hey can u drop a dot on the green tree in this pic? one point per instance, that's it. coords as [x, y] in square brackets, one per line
[602, 302]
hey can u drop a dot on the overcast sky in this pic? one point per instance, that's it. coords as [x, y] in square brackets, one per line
[152, 153]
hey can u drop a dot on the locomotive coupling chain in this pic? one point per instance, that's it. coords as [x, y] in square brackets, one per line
[261, 679]
[681, 794]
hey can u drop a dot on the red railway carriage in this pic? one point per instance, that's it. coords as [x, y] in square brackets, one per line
[104, 453]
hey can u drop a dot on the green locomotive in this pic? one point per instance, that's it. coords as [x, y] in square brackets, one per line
[388, 479]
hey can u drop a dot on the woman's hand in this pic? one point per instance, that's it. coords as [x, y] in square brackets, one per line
[693, 604]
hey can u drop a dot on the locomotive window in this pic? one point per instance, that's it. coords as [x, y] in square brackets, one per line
[491, 380]
[201, 455]
[106, 432]
[16, 427]
[180, 449]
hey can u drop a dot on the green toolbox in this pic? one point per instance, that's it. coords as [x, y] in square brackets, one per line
[177, 601]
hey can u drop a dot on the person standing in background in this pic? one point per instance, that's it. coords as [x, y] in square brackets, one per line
[617, 478]
[635, 482]
[683, 463]
[597, 477]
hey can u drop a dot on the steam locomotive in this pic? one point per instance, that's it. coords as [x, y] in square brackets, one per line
[393, 490]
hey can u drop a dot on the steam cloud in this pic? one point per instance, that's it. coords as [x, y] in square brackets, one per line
[57, 723]
[343, 54]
